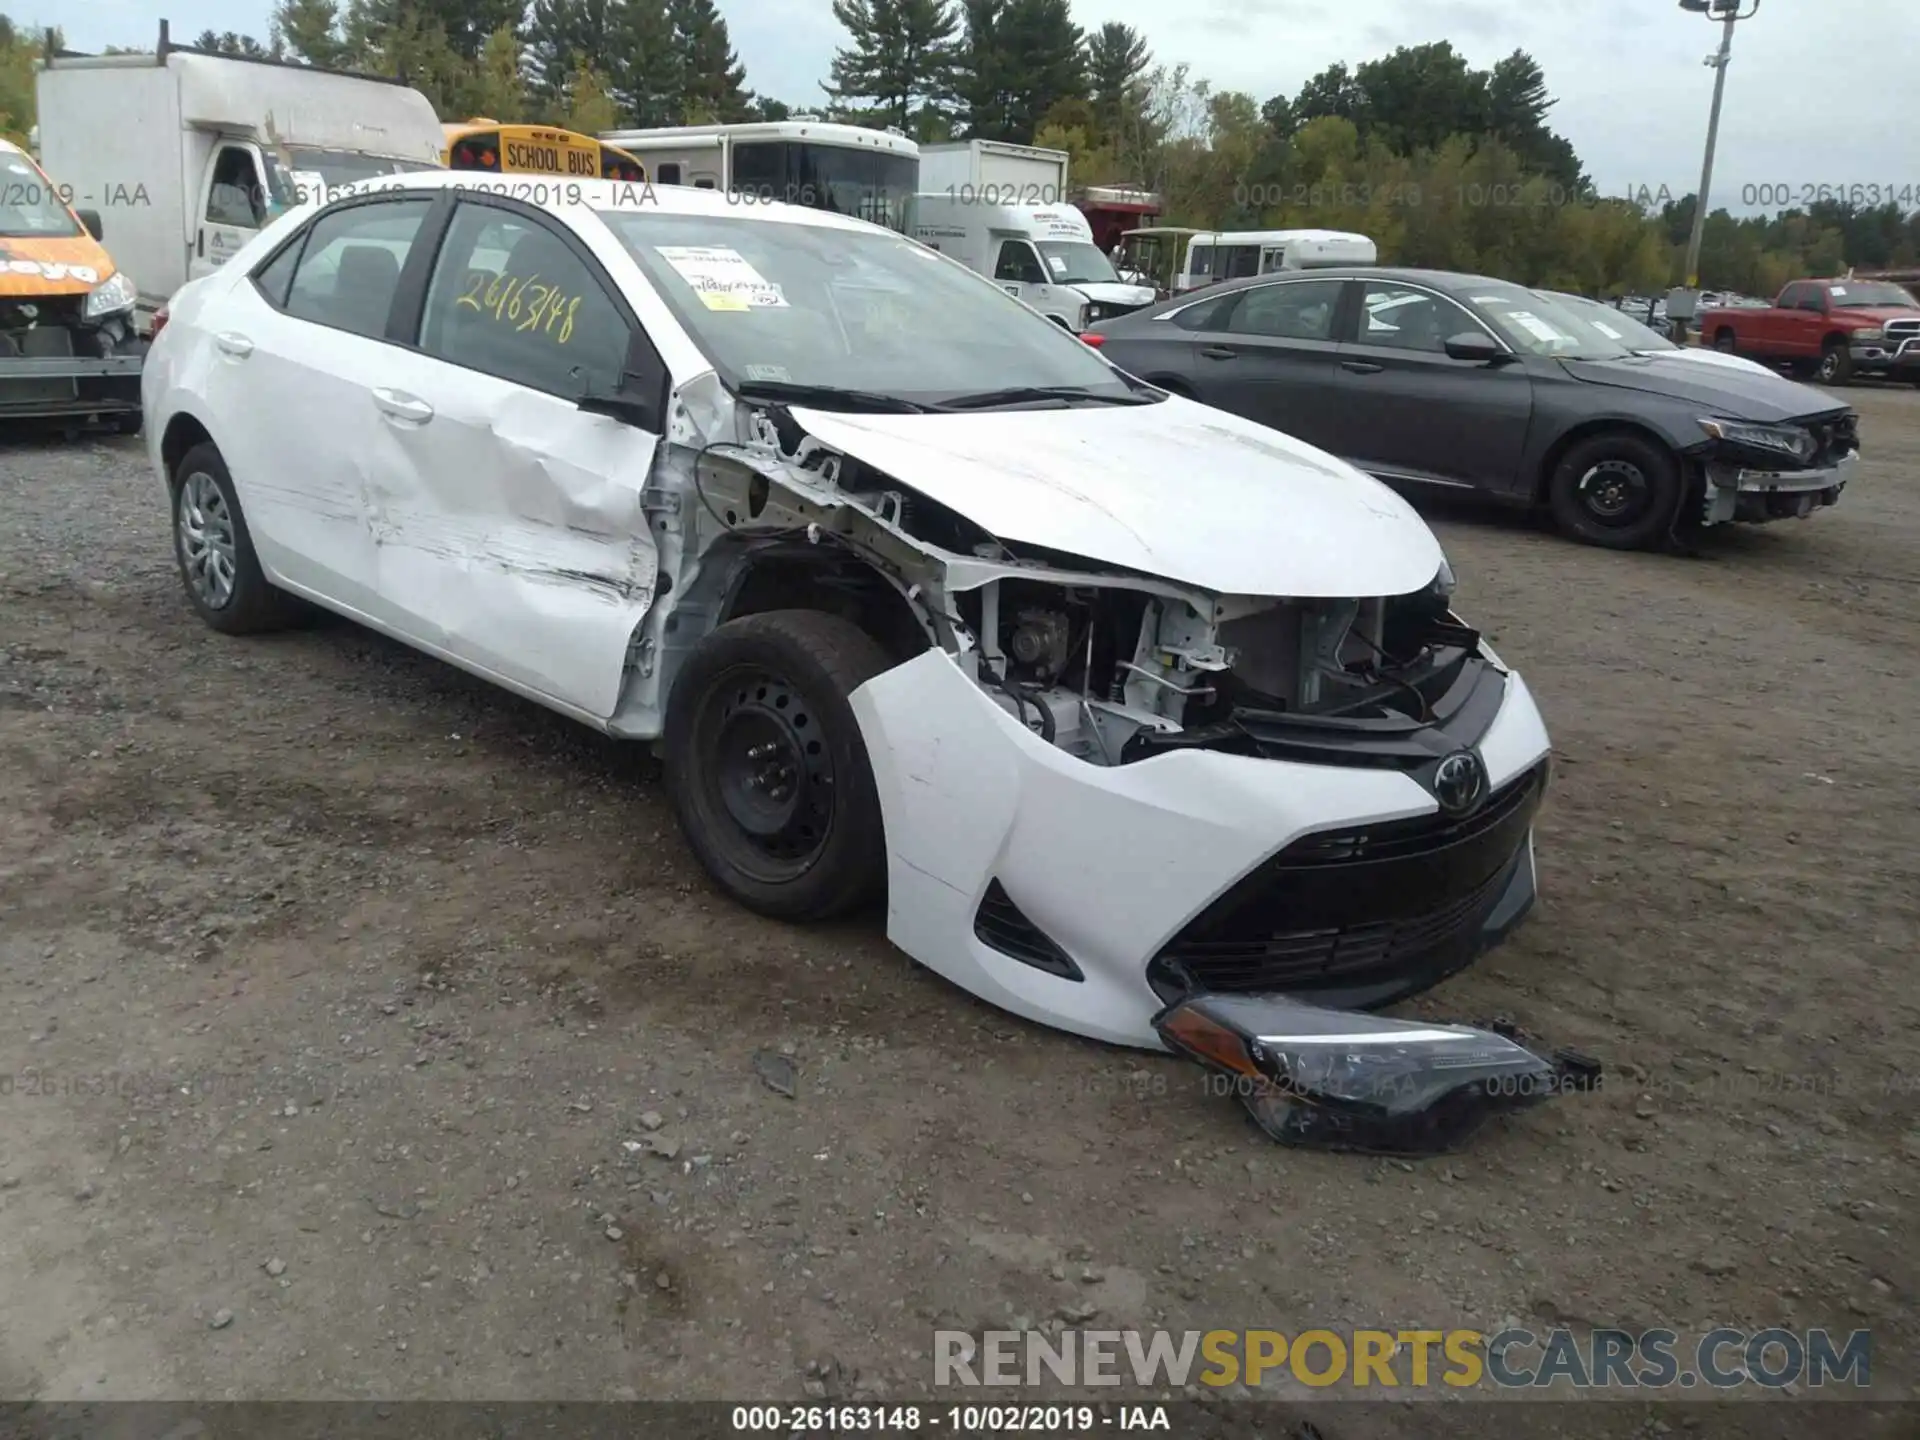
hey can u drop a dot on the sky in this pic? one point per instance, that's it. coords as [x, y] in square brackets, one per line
[1634, 93]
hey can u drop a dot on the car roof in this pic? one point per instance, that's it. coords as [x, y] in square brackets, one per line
[1446, 281]
[560, 195]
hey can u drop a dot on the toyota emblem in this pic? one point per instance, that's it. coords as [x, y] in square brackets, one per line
[1459, 782]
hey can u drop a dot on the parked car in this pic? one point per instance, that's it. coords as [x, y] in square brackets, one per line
[1476, 384]
[1830, 329]
[1623, 329]
[690, 472]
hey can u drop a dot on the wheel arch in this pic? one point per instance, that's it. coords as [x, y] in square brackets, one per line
[1587, 430]
[184, 431]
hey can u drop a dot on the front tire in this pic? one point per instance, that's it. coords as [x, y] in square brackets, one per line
[1616, 490]
[766, 766]
[1726, 342]
[1836, 364]
[214, 549]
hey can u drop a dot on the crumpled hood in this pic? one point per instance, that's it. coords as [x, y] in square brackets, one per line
[1110, 292]
[1716, 389]
[1177, 489]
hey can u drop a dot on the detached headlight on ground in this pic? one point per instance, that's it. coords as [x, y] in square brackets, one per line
[1774, 439]
[1340, 1080]
[115, 293]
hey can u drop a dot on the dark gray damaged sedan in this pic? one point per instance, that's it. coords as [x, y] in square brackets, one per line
[1433, 378]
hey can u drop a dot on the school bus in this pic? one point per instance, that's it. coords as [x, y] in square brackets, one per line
[482, 144]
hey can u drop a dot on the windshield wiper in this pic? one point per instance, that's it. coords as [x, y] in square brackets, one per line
[1016, 394]
[828, 397]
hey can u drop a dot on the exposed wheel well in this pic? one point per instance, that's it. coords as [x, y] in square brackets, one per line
[839, 584]
[1586, 432]
[1171, 384]
[1836, 339]
[183, 433]
[1061, 323]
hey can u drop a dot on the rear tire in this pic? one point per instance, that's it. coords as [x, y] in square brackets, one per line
[1617, 490]
[214, 549]
[1836, 364]
[1726, 342]
[766, 766]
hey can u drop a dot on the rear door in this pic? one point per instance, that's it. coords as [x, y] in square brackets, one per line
[1404, 408]
[1269, 353]
[295, 354]
[507, 521]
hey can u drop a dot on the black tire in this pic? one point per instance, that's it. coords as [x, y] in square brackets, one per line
[1726, 342]
[1616, 489]
[251, 605]
[795, 833]
[1836, 364]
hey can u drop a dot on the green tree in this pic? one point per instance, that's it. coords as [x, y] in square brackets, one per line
[310, 30]
[981, 70]
[1117, 64]
[500, 88]
[589, 109]
[643, 65]
[562, 37]
[713, 81]
[20, 57]
[228, 42]
[1045, 59]
[901, 58]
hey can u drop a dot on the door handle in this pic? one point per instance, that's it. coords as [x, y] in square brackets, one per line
[1362, 367]
[200, 246]
[401, 406]
[1220, 352]
[238, 346]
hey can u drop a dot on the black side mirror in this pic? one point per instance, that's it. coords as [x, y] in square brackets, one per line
[635, 410]
[90, 219]
[641, 399]
[1475, 345]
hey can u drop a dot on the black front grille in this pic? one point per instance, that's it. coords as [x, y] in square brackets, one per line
[1358, 908]
[1900, 329]
[1002, 925]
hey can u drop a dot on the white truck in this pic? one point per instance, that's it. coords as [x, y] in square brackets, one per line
[1041, 254]
[188, 154]
[993, 172]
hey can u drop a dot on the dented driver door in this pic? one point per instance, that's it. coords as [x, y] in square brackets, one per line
[506, 520]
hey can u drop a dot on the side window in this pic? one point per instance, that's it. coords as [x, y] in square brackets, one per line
[1792, 296]
[1018, 262]
[1301, 310]
[1273, 258]
[1239, 262]
[274, 277]
[1399, 318]
[667, 172]
[1205, 315]
[1200, 260]
[234, 197]
[350, 269]
[1812, 297]
[510, 297]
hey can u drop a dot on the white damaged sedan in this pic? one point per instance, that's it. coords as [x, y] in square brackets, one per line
[1119, 700]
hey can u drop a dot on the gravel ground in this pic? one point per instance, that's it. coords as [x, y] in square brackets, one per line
[372, 1033]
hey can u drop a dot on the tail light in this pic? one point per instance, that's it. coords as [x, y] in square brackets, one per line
[1095, 340]
[159, 323]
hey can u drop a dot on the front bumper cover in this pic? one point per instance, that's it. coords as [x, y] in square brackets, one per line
[1109, 866]
[1738, 493]
[1894, 355]
[57, 385]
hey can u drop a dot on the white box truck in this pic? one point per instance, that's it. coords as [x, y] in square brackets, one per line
[1042, 254]
[187, 154]
[993, 172]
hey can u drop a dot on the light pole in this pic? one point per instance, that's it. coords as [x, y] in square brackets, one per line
[1729, 13]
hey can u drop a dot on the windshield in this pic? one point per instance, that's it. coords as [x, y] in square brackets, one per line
[772, 301]
[1537, 325]
[1855, 294]
[30, 205]
[1613, 325]
[344, 167]
[871, 185]
[1075, 262]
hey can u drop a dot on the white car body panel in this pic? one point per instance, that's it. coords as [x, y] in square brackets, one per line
[1179, 490]
[1114, 292]
[505, 531]
[1700, 356]
[971, 796]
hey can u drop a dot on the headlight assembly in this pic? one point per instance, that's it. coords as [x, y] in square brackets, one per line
[1870, 334]
[115, 293]
[1774, 439]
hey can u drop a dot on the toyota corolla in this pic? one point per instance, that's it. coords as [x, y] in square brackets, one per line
[1120, 701]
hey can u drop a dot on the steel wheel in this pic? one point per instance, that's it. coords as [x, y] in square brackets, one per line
[206, 539]
[1615, 492]
[770, 772]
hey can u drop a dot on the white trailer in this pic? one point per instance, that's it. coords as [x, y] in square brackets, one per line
[993, 172]
[851, 170]
[187, 154]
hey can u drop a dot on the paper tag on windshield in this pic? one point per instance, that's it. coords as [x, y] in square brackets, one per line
[722, 278]
[1537, 327]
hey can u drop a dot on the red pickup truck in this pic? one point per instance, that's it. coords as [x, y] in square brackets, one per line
[1830, 329]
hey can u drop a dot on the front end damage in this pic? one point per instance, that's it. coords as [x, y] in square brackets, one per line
[1109, 797]
[1753, 473]
[58, 361]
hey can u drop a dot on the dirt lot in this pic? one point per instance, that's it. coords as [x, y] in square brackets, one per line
[336, 985]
